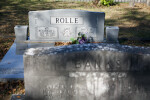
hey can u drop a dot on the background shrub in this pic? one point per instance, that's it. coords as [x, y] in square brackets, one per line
[107, 2]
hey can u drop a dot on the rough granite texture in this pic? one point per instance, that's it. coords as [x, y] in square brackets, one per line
[87, 72]
[88, 47]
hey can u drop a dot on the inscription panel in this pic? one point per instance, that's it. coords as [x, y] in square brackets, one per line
[66, 20]
[77, 86]
[89, 31]
[84, 62]
[46, 32]
[88, 86]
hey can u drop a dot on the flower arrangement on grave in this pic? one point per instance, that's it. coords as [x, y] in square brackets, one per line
[81, 39]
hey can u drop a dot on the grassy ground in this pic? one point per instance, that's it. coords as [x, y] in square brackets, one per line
[134, 24]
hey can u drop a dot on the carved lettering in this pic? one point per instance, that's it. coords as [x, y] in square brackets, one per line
[62, 20]
[89, 31]
[94, 84]
[47, 32]
[60, 90]
[76, 20]
[78, 64]
[57, 20]
[66, 20]
[88, 65]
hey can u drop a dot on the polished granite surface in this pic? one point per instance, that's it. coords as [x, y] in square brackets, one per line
[11, 65]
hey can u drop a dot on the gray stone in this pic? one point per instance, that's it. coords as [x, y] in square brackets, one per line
[21, 33]
[35, 45]
[11, 66]
[112, 34]
[20, 48]
[87, 72]
[63, 24]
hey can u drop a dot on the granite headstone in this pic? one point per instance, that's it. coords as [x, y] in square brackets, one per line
[63, 24]
[87, 72]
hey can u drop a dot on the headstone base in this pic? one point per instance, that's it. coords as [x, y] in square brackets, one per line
[17, 97]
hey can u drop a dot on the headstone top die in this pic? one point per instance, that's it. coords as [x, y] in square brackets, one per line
[63, 24]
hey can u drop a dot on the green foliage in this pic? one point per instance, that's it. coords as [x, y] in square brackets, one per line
[74, 41]
[107, 2]
[81, 39]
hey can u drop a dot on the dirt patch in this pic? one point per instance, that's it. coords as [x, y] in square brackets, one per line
[5, 44]
[11, 87]
[62, 43]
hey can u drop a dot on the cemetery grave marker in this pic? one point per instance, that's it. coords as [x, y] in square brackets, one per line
[63, 24]
[87, 72]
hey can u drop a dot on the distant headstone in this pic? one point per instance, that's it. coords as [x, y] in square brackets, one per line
[63, 24]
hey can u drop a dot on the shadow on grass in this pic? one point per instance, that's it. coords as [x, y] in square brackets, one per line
[139, 30]
[15, 12]
[142, 20]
